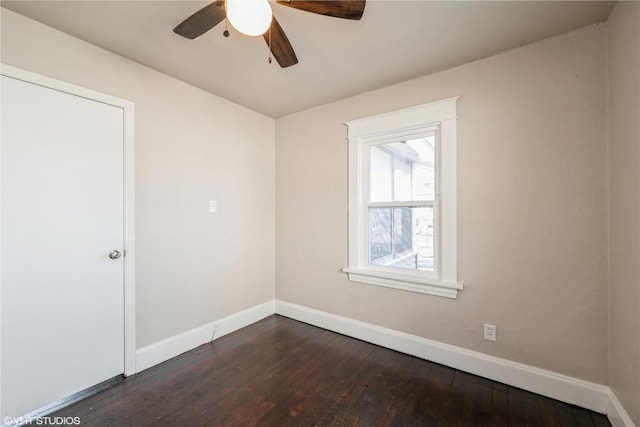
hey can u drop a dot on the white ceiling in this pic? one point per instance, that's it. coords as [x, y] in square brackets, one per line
[394, 41]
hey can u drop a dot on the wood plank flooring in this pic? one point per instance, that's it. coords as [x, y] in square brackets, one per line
[280, 372]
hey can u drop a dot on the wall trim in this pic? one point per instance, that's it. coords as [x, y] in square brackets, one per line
[552, 384]
[616, 413]
[161, 351]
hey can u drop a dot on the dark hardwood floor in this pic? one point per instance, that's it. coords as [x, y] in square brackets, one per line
[280, 372]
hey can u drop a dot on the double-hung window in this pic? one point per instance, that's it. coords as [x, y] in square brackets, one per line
[402, 199]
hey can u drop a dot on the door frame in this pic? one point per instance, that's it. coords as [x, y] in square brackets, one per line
[128, 108]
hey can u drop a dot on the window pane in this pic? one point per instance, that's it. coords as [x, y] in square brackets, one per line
[424, 171]
[401, 237]
[401, 179]
[380, 174]
[403, 171]
[379, 234]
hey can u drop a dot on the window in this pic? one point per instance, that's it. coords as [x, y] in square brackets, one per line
[402, 199]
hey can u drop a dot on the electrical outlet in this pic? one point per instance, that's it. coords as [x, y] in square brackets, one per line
[490, 333]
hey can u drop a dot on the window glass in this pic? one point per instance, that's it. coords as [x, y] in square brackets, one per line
[401, 178]
[401, 237]
[424, 182]
[403, 171]
[381, 176]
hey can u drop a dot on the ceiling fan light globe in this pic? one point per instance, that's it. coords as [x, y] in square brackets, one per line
[250, 17]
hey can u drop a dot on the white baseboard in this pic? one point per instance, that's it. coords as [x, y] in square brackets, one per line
[586, 394]
[161, 351]
[558, 386]
[617, 414]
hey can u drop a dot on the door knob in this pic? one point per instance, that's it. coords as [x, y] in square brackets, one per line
[115, 254]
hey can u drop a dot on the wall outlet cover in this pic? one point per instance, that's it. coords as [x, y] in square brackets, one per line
[490, 332]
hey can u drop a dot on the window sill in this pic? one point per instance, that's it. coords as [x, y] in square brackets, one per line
[405, 282]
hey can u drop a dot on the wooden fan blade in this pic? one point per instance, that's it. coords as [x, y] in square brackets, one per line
[347, 9]
[202, 21]
[280, 45]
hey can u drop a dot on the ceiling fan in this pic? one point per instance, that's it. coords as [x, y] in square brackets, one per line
[259, 13]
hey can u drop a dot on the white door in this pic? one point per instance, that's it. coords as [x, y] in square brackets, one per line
[62, 211]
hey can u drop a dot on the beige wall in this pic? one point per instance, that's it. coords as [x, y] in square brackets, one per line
[192, 267]
[532, 217]
[624, 204]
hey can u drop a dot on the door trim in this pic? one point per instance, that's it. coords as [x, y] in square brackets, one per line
[128, 108]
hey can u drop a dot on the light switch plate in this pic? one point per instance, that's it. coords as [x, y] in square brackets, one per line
[213, 206]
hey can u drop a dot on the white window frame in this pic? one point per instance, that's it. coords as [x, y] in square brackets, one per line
[398, 126]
